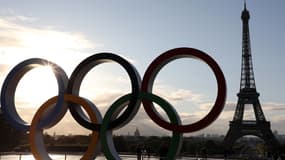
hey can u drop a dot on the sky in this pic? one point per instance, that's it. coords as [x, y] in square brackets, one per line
[67, 32]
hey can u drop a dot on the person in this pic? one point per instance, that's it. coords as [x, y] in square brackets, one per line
[225, 154]
[204, 152]
[163, 151]
[139, 152]
[147, 149]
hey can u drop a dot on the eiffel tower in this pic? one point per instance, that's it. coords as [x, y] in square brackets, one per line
[247, 97]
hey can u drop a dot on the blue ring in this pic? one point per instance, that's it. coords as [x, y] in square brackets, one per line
[9, 87]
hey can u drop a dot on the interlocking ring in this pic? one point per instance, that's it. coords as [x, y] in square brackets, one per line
[36, 132]
[9, 87]
[106, 135]
[161, 61]
[83, 68]
[69, 92]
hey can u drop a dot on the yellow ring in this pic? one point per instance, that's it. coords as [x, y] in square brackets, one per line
[36, 133]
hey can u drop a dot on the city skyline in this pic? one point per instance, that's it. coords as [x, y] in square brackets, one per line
[140, 31]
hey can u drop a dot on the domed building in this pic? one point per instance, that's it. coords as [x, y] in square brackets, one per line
[137, 133]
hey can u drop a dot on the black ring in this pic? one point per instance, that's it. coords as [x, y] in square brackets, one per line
[83, 68]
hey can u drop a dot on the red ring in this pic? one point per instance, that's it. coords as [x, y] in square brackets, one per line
[165, 58]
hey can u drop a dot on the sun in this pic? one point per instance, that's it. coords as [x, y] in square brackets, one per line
[35, 87]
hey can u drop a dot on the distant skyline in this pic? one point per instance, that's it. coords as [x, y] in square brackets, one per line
[66, 33]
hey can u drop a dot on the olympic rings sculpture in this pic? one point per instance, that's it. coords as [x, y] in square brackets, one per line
[53, 110]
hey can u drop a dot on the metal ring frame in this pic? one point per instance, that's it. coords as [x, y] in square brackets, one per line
[68, 93]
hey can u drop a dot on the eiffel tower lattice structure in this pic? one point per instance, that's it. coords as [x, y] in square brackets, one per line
[248, 96]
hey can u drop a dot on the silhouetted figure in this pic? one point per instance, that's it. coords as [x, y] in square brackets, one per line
[139, 152]
[204, 152]
[163, 151]
[225, 154]
[147, 149]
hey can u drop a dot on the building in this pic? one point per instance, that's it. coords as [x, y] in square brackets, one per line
[137, 132]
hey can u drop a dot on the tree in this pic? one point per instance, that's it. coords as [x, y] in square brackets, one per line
[9, 137]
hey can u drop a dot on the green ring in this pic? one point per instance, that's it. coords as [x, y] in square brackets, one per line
[106, 135]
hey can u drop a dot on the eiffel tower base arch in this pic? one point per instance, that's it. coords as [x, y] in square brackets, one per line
[254, 128]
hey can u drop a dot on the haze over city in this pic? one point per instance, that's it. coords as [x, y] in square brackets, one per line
[66, 33]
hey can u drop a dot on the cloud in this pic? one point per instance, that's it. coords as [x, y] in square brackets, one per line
[73, 128]
[6, 41]
[19, 40]
[147, 127]
[271, 106]
[231, 106]
[175, 95]
[19, 18]
[3, 68]
[18, 35]
[106, 96]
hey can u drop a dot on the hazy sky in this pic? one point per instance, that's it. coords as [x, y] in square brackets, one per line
[66, 32]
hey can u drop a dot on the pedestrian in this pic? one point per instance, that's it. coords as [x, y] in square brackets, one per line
[139, 152]
[163, 151]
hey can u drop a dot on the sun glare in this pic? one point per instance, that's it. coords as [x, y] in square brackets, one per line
[37, 86]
